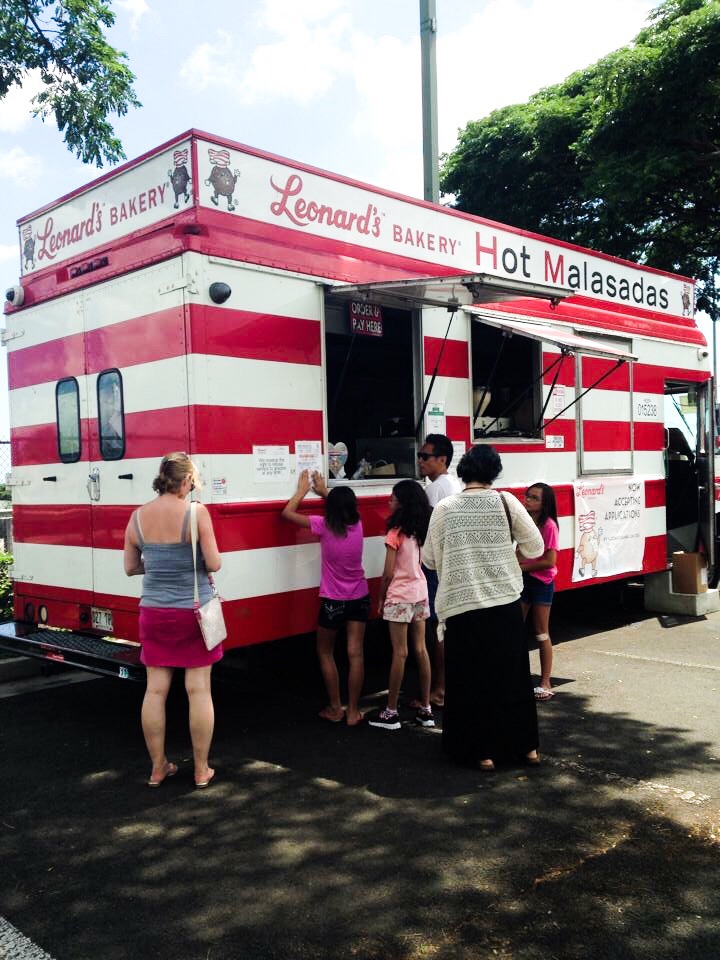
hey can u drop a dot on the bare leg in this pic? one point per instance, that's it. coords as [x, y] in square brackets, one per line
[356, 674]
[325, 644]
[437, 691]
[398, 638]
[524, 607]
[417, 632]
[541, 623]
[202, 718]
[153, 718]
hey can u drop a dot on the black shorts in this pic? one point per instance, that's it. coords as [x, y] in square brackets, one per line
[334, 613]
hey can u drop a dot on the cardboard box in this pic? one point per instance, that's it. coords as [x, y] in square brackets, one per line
[689, 573]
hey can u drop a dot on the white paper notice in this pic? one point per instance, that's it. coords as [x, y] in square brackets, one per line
[271, 464]
[458, 451]
[219, 486]
[308, 456]
[435, 417]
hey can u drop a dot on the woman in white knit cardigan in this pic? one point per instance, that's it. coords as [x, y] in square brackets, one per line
[490, 711]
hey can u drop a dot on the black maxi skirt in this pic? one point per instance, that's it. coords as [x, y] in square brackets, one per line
[490, 710]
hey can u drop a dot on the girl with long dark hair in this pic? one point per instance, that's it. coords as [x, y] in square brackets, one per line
[404, 599]
[344, 597]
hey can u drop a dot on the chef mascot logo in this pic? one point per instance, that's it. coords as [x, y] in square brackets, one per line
[28, 248]
[589, 545]
[220, 179]
[179, 177]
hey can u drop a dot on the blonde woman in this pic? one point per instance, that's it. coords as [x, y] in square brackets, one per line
[157, 546]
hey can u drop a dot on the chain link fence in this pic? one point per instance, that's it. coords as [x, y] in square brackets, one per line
[5, 463]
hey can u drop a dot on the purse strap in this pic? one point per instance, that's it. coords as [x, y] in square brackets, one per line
[507, 512]
[193, 541]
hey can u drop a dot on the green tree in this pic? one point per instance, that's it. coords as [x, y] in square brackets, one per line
[84, 78]
[623, 156]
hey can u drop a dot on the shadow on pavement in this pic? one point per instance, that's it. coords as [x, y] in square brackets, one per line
[321, 842]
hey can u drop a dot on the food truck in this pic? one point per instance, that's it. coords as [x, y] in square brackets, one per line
[266, 317]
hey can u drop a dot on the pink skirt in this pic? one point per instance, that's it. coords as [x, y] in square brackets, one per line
[171, 637]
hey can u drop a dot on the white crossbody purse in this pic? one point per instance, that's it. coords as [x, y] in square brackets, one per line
[210, 615]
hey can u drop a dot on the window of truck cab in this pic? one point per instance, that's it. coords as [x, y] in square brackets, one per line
[111, 415]
[67, 417]
[372, 360]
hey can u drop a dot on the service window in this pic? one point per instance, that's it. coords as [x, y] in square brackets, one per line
[111, 415]
[372, 362]
[604, 415]
[67, 417]
[507, 383]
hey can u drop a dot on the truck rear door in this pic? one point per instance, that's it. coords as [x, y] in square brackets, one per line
[137, 392]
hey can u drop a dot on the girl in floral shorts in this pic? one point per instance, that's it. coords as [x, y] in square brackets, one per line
[404, 599]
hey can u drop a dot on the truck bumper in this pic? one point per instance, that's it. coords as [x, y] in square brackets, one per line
[108, 657]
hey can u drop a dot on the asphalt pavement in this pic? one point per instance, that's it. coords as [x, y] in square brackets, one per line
[320, 842]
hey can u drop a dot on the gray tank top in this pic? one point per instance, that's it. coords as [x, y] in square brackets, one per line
[169, 580]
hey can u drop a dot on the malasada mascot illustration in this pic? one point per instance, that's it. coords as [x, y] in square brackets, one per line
[589, 545]
[28, 248]
[686, 299]
[179, 176]
[221, 180]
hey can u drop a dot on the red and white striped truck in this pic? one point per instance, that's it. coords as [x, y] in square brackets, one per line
[265, 316]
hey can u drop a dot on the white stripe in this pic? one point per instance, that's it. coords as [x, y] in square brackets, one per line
[56, 566]
[605, 461]
[162, 384]
[613, 405]
[259, 291]
[435, 323]
[238, 382]
[15, 946]
[454, 392]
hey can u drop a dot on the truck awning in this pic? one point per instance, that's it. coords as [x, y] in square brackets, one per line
[547, 334]
[448, 292]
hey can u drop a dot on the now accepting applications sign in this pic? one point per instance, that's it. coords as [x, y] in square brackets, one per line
[609, 528]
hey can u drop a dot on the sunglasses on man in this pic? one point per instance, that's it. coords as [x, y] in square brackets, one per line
[426, 456]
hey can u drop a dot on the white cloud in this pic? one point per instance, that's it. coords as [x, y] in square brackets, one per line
[289, 17]
[300, 67]
[136, 10]
[9, 251]
[15, 106]
[22, 168]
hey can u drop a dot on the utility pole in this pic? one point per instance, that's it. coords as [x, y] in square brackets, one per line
[428, 30]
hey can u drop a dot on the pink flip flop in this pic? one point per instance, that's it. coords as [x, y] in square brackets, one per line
[170, 771]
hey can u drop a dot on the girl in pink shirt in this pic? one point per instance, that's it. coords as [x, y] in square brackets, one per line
[539, 579]
[404, 598]
[344, 597]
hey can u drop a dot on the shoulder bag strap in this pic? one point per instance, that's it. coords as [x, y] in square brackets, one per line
[507, 512]
[193, 541]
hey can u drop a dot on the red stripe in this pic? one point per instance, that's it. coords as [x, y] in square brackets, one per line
[454, 361]
[655, 493]
[600, 435]
[458, 429]
[238, 429]
[154, 336]
[594, 367]
[152, 433]
[256, 336]
[566, 376]
[648, 436]
[605, 316]
[161, 335]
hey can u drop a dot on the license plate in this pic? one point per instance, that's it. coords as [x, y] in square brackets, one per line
[102, 619]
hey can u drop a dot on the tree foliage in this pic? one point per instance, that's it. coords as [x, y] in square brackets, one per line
[84, 78]
[623, 156]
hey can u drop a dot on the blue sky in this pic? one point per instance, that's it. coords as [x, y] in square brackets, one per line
[333, 83]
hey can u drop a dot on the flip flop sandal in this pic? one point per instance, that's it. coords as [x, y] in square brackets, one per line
[170, 771]
[541, 693]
